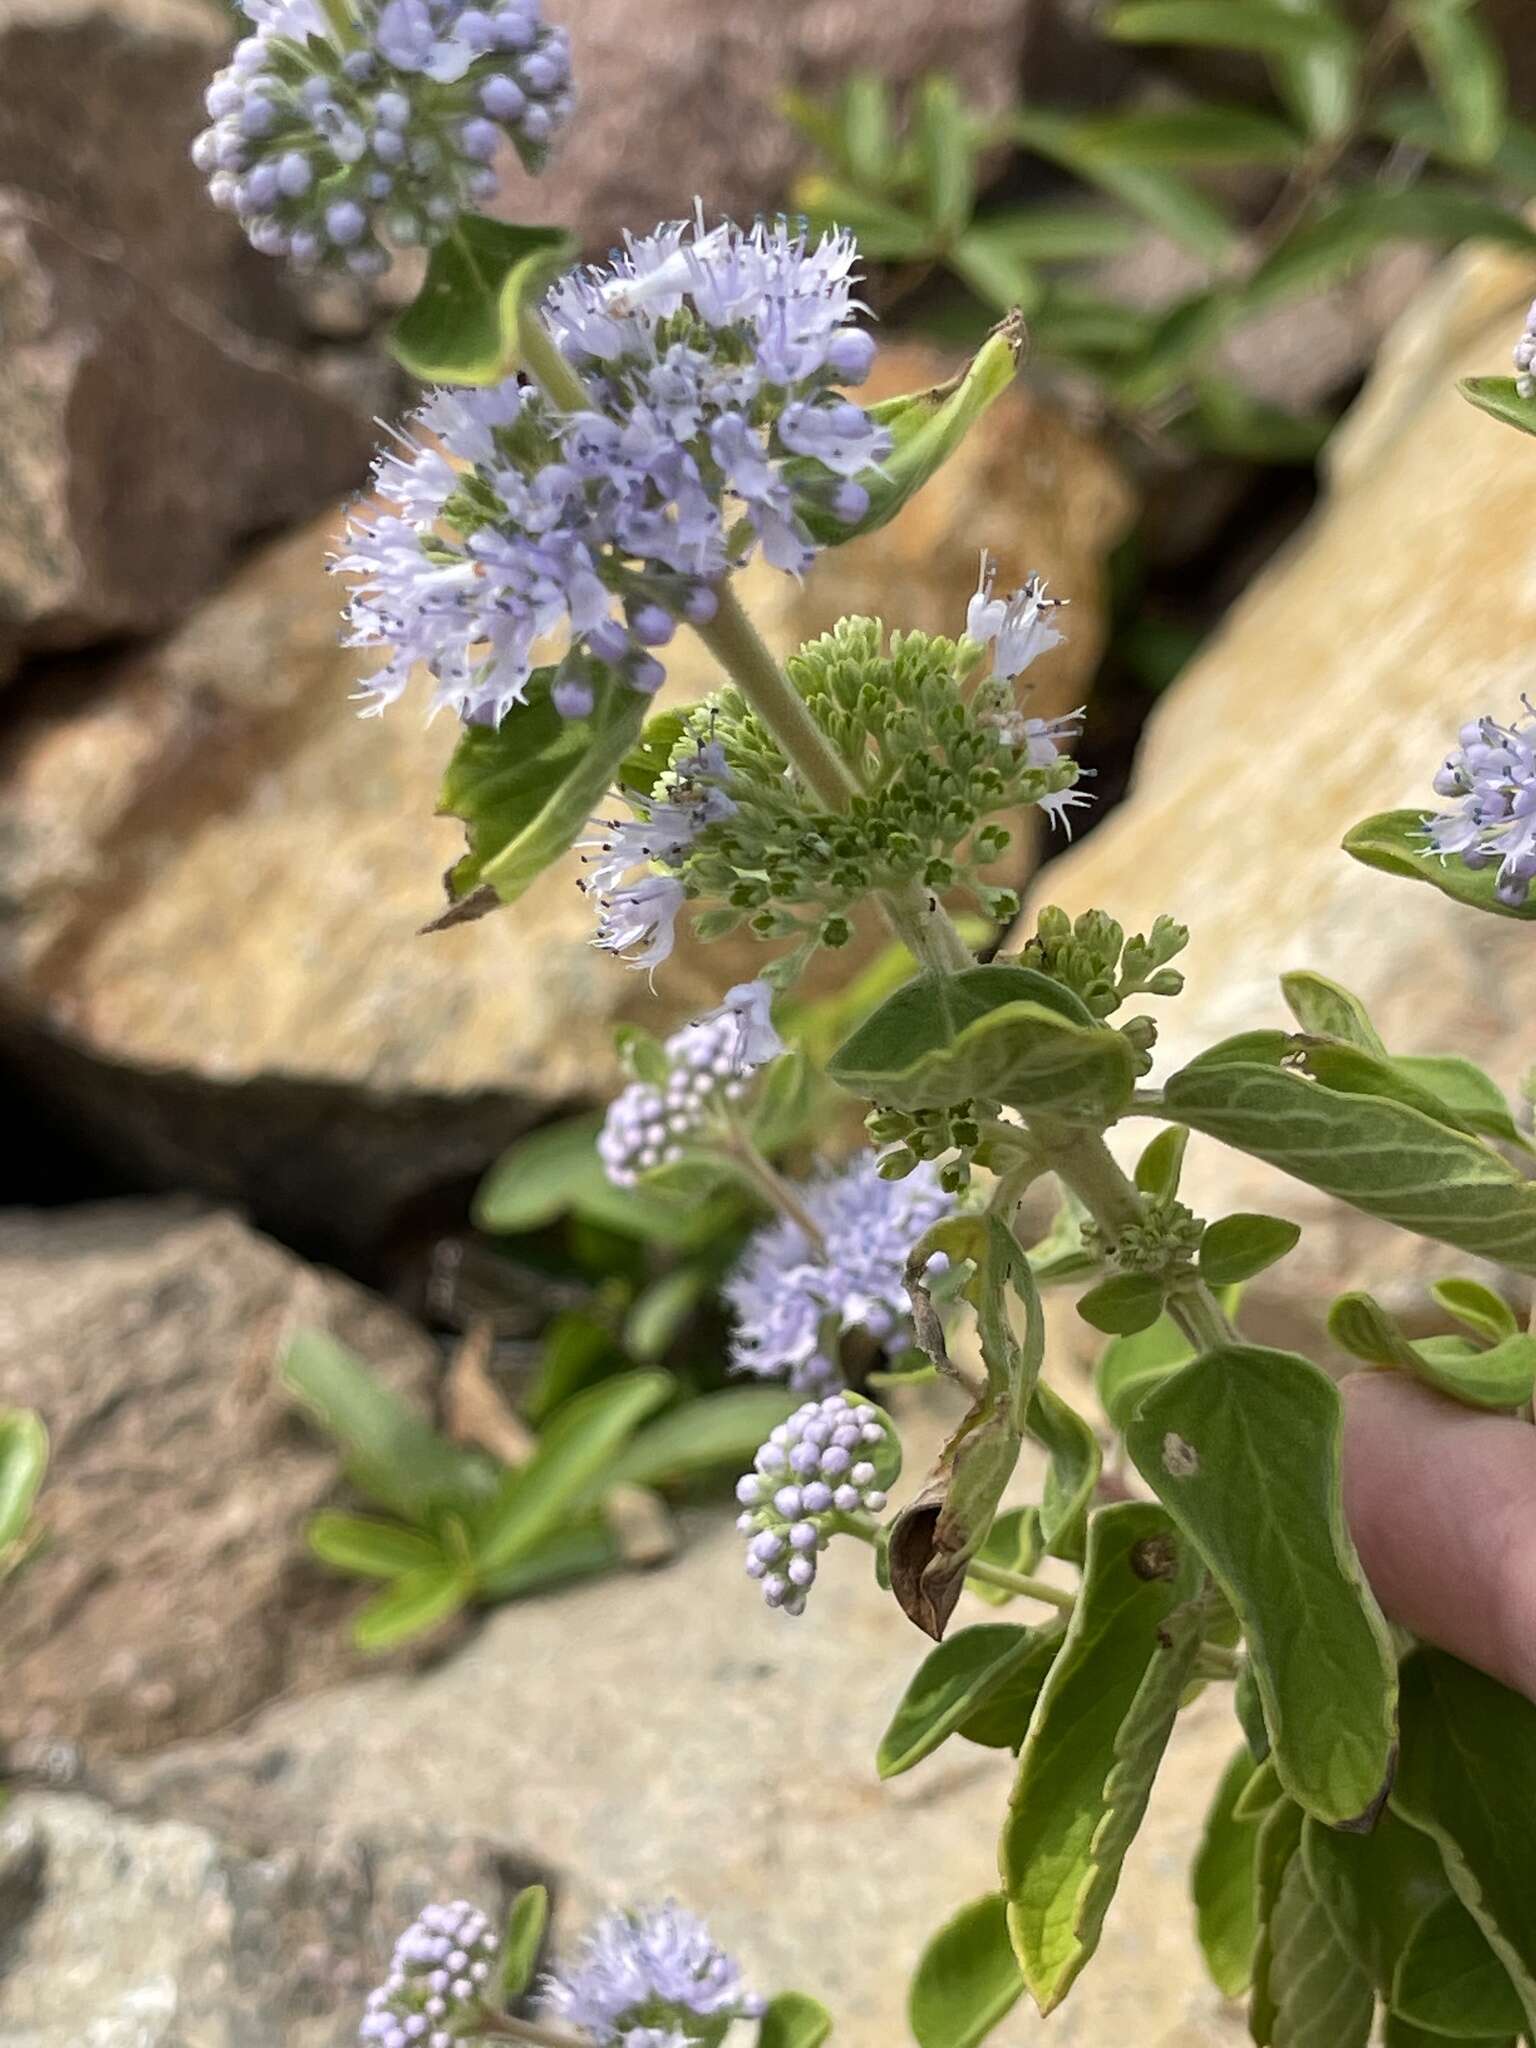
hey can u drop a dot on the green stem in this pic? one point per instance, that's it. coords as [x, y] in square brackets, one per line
[544, 362]
[1214, 1660]
[343, 26]
[503, 2027]
[771, 1184]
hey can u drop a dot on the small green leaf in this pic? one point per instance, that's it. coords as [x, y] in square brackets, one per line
[1179, 138]
[1267, 27]
[1375, 1888]
[1095, 1742]
[1479, 1308]
[792, 2020]
[1396, 2032]
[1263, 1790]
[1449, 1981]
[1013, 1541]
[661, 1313]
[945, 154]
[1235, 1248]
[413, 1604]
[1249, 1709]
[23, 1462]
[372, 1549]
[576, 1452]
[578, 1351]
[1500, 398]
[1324, 1008]
[967, 1979]
[522, 1941]
[1072, 1475]
[1159, 1167]
[952, 1682]
[1056, 234]
[463, 325]
[1466, 70]
[1060, 1258]
[1467, 1096]
[1002, 1720]
[1308, 1990]
[1222, 1879]
[886, 233]
[1394, 842]
[1363, 221]
[1500, 1377]
[1124, 1305]
[995, 269]
[555, 1171]
[703, 1435]
[867, 128]
[1279, 1846]
[1168, 201]
[1320, 85]
[1242, 1448]
[1132, 1366]
[527, 788]
[1466, 1775]
[1005, 1032]
[579, 1549]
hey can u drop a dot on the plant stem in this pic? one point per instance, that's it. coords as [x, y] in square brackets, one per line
[771, 1184]
[1214, 1660]
[997, 1575]
[343, 26]
[503, 2027]
[543, 360]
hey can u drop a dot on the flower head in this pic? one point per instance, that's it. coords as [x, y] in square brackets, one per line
[711, 361]
[327, 152]
[821, 1463]
[622, 865]
[438, 1977]
[709, 1064]
[1493, 772]
[649, 1980]
[792, 1295]
[1525, 357]
[1019, 628]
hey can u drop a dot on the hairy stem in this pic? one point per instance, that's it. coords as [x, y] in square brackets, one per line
[771, 1184]
[543, 360]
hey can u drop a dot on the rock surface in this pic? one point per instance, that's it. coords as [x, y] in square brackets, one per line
[1333, 691]
[734, 1772]
[173, 1592]
[212, 875]
[124, 1933]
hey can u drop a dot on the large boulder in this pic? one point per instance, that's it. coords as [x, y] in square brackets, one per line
[212, 875]
[173, 1592]
[1333, 690]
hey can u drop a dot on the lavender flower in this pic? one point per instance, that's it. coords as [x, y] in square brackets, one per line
[1020, 628]
[326, 150]
[653, 1980]
[1493, 772]
[640, 909]
[817, 1465]
[708, 1063]
[793, 1296]
[711, 361]
[437, 1980]
[1525, 357]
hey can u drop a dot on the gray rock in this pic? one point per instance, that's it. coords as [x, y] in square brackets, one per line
[173, 1592]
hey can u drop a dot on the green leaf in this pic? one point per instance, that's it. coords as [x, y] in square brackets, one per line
[1465, 69]
[1320, 85]
[704, 1434]
[1500, 398]
[576, 1451]
[462, 327]
[995, 270]
[1501, 1377]
[1013, 1541]
[792, 2020]
[1466, 1775]
[23, 1462]
[926, 427]
[522, 1941]
[579, 1549]
[1355, 226]
[556, 1171]
[1236, 1247]
[967, 1978]
[1160, 1166]
[1387, 1158]
[1072, 1475]
[1466, 1095]
[1131, 1366]
[1060, 1258]
[1420, 122]
[945, 154]
[1279, 1846]
[1249, 1709]
[867, 128]
[372, 1549]
[1375, 1888]
[1321, 1006]
[525, 789]
[1266, 27]
[1396, 2032]
[390, 1453]
[955, 1679]
[416, 1602]
[1449, 1981]
[1394, 842]
[1263, 1791]
[1123, 1305]
[1096, 1740]
[1005, 1032]
[1055, 234]
[1222, 1879]
[1168, 201]
[1181, 138]
[578, 1351]
[1002, 1720]
[1479, 1308]
[1312, 1994]
[1227, 419]
[1242, 1448]
[887, 233]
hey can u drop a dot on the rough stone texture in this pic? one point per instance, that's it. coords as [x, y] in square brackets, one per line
[173, 1592]
[1334, 689]
[141, 437]
[735, 1774]
[122, 1933]
[211, 875]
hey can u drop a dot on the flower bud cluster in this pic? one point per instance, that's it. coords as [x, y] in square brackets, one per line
[649, 1980]
[329, 147]
[438, 1979]
[908, 1137]
[710, 363]
[1092, 956]
[1493, 772]
[817, 1465]
[708, 1064]
[1163, 1244]
[1525, 357]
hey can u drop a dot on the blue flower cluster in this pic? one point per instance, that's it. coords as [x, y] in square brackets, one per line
[708, 1065]
[330, 146]
[437, 1978]
[818, 1464]
[1493, 771]
[1018, 629]
[637, 906]
[712, 362]
[793, 1296]
[651, 1980]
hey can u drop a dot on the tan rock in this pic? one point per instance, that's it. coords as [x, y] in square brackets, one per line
[173, 1592]
[1332, 691]
[213, 875]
